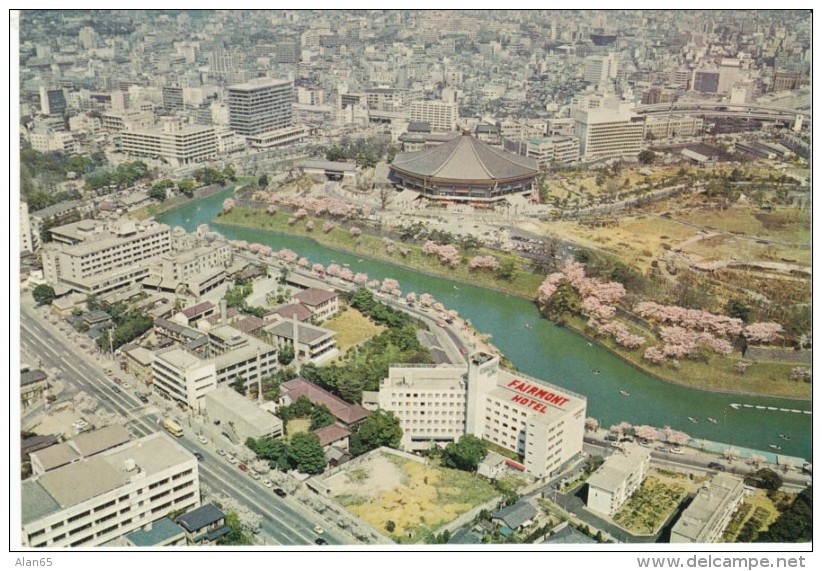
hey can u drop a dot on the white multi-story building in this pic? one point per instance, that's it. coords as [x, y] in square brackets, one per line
[541, 422]
[704, 520]
[440, 115]
[176, 143]
[672, 126]
[104, 257]
[547, 150]
[29, 242]
[260, 105]
[609, 132]
[618, 478]
[187, 377]
[96, 499]
[601, 68]
[47, 140]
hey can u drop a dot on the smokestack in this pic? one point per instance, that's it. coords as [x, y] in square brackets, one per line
[295, 335]
[223, 312]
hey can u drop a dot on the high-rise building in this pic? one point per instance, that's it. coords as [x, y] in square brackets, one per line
[260, 105]
[52, 101]
[177, 143]
[440, 115]
[601, 68]
[173, 98]
[609, 132]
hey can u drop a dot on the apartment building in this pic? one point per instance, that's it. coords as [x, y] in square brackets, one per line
[199, 270]
[618, 478]
[547, 151]
[101, 497]
[175, 142]
[704, 520]
[542, 423]
[311, 344]
[105, 257]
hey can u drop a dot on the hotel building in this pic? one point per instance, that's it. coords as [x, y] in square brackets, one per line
[542, 423]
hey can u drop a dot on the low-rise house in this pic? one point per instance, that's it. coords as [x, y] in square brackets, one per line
[322, 303]
[161, 533]
[203, 525]
[515, 517]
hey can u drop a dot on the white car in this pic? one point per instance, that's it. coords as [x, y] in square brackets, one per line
[202, 439]
[318, 530]
[126, 385]
[231, 459]
[266, 482]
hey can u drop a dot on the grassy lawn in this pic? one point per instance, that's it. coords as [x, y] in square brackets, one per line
[718, 373]
[523, 284]
[650, 505]
[787, 225]
[427, 497]
[297, 425]
[352, 328]
[756, 510]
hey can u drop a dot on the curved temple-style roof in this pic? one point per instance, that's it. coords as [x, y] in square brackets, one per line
[465, 158]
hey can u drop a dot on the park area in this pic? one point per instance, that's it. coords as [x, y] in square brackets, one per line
[405, 498]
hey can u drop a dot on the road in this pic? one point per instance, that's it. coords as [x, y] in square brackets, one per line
[284, 521]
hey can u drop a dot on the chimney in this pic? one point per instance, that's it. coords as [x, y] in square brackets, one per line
[223, 312]
[295, 340]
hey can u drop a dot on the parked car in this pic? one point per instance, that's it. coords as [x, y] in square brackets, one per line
[231, 459]
[242, 467]
[199, 456]
[115, 388]
[202, 439]
[318, 530]
[266, 482]
[320, 541]
[716, 466]
[220, 451]
[280, 492]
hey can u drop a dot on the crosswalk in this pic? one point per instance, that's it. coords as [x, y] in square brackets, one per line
[139, 412]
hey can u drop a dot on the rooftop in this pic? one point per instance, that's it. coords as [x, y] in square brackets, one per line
[346, 412]
[201, 517]
[315, 296]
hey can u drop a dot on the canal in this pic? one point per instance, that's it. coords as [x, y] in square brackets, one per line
[539, 348]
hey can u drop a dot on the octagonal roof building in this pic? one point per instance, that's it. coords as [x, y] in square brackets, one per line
[464, 168]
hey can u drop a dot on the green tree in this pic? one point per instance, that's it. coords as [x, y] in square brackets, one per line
[186, 186]
[506, 270]
[766, 479]
[381, 428]
[263, 181]
[229, 173]
[43, 294]
[466, 454]
[647, 157]
[237, 536]
[795, 524]
[321, 417]
[306, 453]
[157, 193]
[286, 354]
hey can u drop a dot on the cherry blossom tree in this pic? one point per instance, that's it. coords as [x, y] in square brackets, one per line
[288, 256]
[300, 214]
[373, 284]
[309, 226]
[762, 332]
[360, 278]
[327, 227]
[675, 436]
[411, 297]
[333, 270]
[228, 205]
[303, 262]
[426, 300]
[389, 285]
[489, 263]
[591, 424]
[346, 274]
[272, 209]
[646, 432]
[317, 268]
[801, 374]
[355, 231]
[743, 366]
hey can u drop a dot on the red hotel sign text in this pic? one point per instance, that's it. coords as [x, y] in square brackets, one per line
[543, 394]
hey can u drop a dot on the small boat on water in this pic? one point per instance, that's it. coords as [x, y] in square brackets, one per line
[596, 371]
[625, 393]
[692, 419]
[784, 437]
[713, 420]
[775, 446]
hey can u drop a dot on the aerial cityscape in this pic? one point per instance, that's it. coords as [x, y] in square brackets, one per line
[396, 279]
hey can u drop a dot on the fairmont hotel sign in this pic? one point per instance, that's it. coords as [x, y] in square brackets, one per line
[535, 396]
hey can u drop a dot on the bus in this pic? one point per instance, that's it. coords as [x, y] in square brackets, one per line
[173, 428]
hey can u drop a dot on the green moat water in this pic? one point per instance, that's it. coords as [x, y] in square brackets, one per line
[539, 348]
